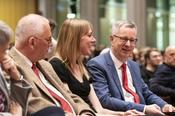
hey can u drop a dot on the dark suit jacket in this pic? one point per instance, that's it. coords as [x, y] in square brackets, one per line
[40, 97]
[19, 92]
[50, 111]
[163, 83]
[109, 90]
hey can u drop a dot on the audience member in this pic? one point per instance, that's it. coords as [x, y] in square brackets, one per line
[75, 40]
[105, 50]
[33, 39]
[117, 79]
[163, 82]
[135, 55]
[10, 102]
[52, 48]
[142, 52]
[50, 111]
[98, 49]
[153, 58]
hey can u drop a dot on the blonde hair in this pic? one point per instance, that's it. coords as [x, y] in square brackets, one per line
[68, 45]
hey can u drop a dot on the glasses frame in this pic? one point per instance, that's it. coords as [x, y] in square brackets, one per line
[125, 39]
[49, 41]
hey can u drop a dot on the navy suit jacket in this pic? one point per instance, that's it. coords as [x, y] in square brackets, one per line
[109, 90]
[163, 83]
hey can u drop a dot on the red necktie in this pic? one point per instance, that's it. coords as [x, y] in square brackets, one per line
[64, 104]
[125, 84]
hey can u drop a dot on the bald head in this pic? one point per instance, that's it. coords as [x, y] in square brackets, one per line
[169, 48]
[33, 37]
[169, 56]
[30, 25]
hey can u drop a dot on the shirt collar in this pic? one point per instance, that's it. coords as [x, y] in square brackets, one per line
[25, 58]
[116, 61]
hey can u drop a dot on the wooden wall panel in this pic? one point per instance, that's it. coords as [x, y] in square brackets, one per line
[12, 10]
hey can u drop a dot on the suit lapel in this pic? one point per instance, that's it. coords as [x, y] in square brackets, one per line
[134, 77]
[113, 72]
[29, 74]
[52, 77]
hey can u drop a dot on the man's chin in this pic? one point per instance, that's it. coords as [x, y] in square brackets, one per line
[126, 55]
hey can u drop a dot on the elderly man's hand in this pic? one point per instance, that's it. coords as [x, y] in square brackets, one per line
[168, 108]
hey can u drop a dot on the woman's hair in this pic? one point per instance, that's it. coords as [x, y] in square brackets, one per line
[68, 45]
[6, 33]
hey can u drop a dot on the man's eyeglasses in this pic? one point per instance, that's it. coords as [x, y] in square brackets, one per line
[126, 39]
[48, 40]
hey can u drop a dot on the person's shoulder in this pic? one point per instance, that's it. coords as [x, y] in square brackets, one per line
[55, 60]
[165, 68]
[133, 62]
[45, 63]
[100, 57]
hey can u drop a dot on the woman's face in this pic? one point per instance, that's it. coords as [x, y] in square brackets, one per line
[87, 44]
[3, 50]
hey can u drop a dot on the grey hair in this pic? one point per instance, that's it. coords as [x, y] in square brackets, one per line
[6, 33]
[117, 25]
[30, 25]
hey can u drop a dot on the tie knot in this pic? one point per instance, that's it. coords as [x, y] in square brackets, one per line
[35, 69]
[33, 66]
[124, 66]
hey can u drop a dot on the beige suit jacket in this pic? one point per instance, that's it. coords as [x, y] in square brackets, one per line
[40, 97]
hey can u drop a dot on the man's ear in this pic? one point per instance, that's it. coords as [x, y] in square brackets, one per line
[111, 38]
[32, 41]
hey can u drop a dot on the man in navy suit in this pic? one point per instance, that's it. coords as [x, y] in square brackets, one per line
[107, 74]
[163, 82]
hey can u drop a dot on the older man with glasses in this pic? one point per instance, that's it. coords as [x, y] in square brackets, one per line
[117, 79]
[32, 42]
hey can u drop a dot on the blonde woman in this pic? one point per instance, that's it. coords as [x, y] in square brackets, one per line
[75, 40]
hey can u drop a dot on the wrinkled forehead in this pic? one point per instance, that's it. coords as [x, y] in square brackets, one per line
[170, 52]
[170, 49]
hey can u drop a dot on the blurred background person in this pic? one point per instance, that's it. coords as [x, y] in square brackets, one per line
[142, 52]
[163, 83]
[52, 47]
[135, 55]
[153, 58]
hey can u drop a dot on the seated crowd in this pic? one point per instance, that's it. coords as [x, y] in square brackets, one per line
[61, 83]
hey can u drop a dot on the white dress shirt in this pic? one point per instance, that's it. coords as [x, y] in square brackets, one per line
[117, 63]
